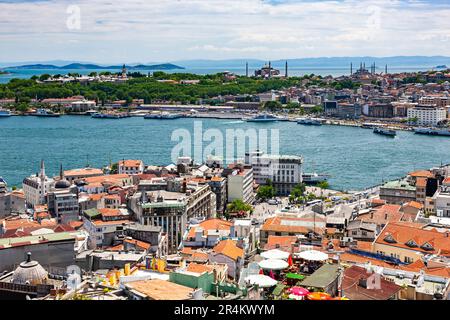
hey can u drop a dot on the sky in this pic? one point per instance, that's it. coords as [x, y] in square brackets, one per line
[138, 31]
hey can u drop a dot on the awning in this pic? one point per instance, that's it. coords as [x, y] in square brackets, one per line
[275, 254]
[313, 255]
[295, 276]
[299, 291]
[278, 290]
[261, 280]
[273, 264]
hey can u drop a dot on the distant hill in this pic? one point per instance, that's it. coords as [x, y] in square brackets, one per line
[82, 66]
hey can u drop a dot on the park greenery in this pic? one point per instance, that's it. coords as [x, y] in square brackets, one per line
[151, 89]
[267, 191]
[238, 206]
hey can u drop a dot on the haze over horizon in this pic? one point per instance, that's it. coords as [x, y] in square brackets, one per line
[110, 31]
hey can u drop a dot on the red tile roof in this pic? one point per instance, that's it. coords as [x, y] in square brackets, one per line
[403, 232]
[354, 291]
[210, 224]
[229, 248]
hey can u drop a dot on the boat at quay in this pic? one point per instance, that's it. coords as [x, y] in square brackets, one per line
[310, 121]
[45, 113]
[432, 131]
[4, 113]
[100, 115]
[163, 116]
[385, 132]
[263, 118]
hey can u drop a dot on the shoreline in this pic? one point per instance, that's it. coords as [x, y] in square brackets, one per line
[242, 116]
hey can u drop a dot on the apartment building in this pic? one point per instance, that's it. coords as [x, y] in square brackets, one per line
[285, 172]
[427, 115]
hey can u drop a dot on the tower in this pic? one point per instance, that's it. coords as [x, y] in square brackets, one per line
[286, 70]
[124, 71]
[386, 70]
[42, 183]
[270, 69]
[246, 69]
[351, 68]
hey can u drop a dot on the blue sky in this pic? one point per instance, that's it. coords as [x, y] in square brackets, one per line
[112, 31]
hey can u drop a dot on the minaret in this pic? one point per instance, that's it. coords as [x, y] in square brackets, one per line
[386, 69]
[61, 172]
[246, 69]
[351, 68]
[270, 69]
[286, 70]
[42, 172]
[42, 183]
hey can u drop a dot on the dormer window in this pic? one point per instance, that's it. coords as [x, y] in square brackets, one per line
[427, 246]
[412, 244]
[389, 238]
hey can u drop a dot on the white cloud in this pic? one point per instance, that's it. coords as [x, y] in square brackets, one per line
[162, 30]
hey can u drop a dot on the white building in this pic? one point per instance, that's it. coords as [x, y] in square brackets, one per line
[441, 200]
[240, 185]
[427, 116]
[82, 106]
[35, 188]
[285, 172]
[131, 167]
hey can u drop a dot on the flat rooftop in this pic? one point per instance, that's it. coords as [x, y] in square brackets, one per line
[157, 289]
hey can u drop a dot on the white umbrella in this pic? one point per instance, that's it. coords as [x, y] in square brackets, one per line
[273, 264]
[313, 255]
[275, 254]
[261, 280]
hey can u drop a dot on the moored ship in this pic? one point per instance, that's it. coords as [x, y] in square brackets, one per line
[310, 121]
[314, 178]
[385, 132]
[432, 131]
[163, 116]
[45, 113]
[263, 118]
[4, 113]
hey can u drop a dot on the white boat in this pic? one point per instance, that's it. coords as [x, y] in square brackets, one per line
[263, 118]
[314, 178]
[5, 113]
[163, 116]
[45, 113]
[310, 121]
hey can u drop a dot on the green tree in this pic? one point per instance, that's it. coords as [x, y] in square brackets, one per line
[273, 105]
[266, 192]
[238, 205]
[323, 185]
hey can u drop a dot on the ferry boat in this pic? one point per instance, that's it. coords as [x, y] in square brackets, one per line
[314, 178]
[100, 115]
[368, 125]
[4, 113]
[263, 118]
[432, 132]
[385, 132]
[45, 113]
[310, 121]
[163, 116]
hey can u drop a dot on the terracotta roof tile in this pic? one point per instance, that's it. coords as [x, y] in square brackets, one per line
[229, 248]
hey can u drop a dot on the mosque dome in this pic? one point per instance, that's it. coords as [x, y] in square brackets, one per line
[29, 272]
[62, 184]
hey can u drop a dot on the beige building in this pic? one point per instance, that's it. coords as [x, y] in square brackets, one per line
[240, 185]
[409, 242]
